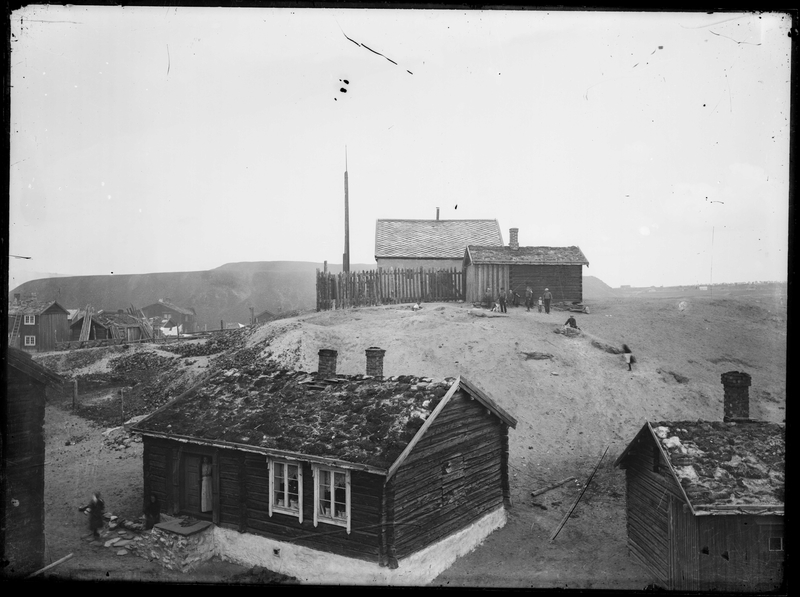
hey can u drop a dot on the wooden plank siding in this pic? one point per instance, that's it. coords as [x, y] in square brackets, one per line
[648, 506]
[564, 281]
[23, 478]
[242, 499]
[738, 558]
[451, 478]
[479, 277]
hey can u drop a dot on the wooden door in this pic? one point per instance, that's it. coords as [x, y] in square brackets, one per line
[191, 483]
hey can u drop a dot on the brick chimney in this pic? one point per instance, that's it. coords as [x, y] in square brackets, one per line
[513, 241]
[375, 361]
[737, 399]
[437, 214]
[327, 362]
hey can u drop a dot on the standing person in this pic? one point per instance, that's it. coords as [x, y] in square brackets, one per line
[528, 296]
[152, 512]
[487, 299]
[629, 358]
[547, 298]
[540, 304]
[96, 509]
[503, 300]
[205, 487]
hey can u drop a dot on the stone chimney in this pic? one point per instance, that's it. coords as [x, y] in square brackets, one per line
[513, 241]
[437, 214]
[375, 361]
[737, 399]
[327, 362]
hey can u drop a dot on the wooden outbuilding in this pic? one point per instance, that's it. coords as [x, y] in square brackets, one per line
[23, 453]
[430, 244]
[705, 500]
[560, 269]
[333, 478]
[36, 326]
[166, 309]
[117, 326]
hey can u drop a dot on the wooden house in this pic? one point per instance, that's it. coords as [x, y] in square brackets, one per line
[35, 325]
[23, 453]
[705, 499]
[332, 478]
[430, 244]
[186, 318]
[513, 267]
[109, 325]
[264, 316]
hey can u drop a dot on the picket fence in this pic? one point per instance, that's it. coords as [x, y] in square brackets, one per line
[388, 286]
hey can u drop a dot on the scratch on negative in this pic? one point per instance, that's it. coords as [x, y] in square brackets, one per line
[371, 50]
[168, 62]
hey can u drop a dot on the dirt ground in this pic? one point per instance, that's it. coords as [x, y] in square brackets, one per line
[570, 408]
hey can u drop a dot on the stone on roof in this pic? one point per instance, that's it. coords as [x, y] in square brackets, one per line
[431, 239]
[525, 255]
[32, 306]
[726, 463]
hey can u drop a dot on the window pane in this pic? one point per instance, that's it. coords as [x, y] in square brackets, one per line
[279, 485]
[294, 486]
[776, 543]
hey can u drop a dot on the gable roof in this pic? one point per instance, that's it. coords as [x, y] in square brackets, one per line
[24, 363]
[432, 239]
[172, 306]
[524, 255]
[265, 315]
[352, 421]
[722, 467]
[108, 319]
[34, 307]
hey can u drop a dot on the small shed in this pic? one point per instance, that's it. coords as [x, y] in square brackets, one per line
[109, 325]
[23, 453]
[264, 316]
[430, 244]
[332, 478]
[705, 499]
[513, 267]
[36, 326]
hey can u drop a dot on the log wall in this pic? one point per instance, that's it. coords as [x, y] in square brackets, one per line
[564, 281]
[242, 499]
[23, 452]
[451, 478]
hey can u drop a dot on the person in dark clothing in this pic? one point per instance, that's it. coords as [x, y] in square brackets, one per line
[629, 358]
[547, 298]
[515, 298]
[572, 323]
[152, 512]
[96, 510]
[528, 297]
[503, 300]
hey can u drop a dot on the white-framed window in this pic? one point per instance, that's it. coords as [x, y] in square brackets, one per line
[332, 496]
[286, 488]
[30, 320]
[30, 340]
[776, 543]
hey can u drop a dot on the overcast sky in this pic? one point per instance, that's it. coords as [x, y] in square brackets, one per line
[156, 140]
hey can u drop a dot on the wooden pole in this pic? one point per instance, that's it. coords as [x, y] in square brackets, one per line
[53, 565]
[74, 393]
[122, 403]
[589, 480]
[551, 486]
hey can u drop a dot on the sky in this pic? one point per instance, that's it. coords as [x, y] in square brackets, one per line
[148, 139]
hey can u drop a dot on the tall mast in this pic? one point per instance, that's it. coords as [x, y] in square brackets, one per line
[346, 256]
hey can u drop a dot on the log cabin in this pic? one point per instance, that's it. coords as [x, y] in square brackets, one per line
[513, 267]
[36, 326]
[705, 500]
[117, 326]
[332, 478]
[23, 453]
[166, 309]
[430, 244]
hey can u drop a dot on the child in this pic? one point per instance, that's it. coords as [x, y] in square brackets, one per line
[540, 304]
[96, 509]
[629, 358]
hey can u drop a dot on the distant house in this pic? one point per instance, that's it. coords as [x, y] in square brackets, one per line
[166, 309]
[331, 478]
[264, 316]
[35, 325]
[109, 326]
[22, 481]
[513, 267]
[430, 244]
[705, 499]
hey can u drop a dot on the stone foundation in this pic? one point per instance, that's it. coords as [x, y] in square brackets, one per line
[176, 547]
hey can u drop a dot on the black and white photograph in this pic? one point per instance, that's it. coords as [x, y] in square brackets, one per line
[420, 296]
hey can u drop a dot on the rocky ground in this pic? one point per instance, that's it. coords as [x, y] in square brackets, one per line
[572, 395]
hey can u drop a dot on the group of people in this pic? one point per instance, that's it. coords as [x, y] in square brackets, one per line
[502, 300]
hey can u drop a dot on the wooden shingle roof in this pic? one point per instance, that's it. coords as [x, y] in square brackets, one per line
[432, 239]
[722, 467]
[475, 255]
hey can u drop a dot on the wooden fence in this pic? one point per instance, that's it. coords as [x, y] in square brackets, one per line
[387, 286]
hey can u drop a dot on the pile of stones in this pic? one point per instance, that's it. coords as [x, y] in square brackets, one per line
[120, 438]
